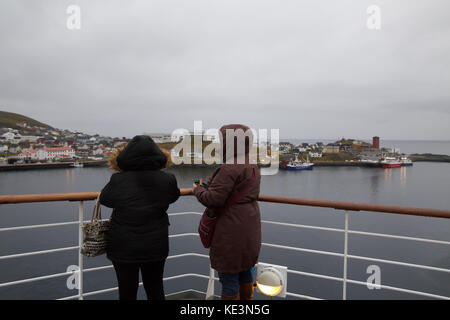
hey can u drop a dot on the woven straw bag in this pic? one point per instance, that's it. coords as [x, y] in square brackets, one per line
[94, 240]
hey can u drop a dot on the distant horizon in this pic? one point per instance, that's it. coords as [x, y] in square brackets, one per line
[38, 118]
[364, 139]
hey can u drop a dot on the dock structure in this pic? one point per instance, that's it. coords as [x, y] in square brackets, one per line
[52, 165]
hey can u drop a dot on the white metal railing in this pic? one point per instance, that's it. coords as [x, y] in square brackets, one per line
[211, 277]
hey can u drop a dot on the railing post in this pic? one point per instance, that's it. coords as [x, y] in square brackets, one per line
[210, 290]
[80, 256]
[344, 283]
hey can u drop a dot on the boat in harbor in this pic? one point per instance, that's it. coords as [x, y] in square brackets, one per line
[77, 164]
[299, 165]
[406, 162]
[390, 162]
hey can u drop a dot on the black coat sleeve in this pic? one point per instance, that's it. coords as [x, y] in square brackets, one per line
[174, 191]
[109, 193]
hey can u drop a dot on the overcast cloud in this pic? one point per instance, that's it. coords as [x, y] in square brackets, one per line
[310, 68]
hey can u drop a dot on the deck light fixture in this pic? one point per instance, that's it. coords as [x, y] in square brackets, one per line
[271, 280]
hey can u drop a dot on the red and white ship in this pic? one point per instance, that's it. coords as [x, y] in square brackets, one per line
[390, 162]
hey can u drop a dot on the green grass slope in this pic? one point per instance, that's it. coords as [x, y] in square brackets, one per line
[10, 120]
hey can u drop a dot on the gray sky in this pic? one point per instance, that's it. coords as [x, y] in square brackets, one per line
[310, 68]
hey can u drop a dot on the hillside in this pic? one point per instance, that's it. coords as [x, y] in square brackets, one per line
[10, 120]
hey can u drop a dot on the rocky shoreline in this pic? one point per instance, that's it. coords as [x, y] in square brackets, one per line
[429, 157]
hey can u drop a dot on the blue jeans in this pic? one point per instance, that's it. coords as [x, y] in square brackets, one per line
[230, 281]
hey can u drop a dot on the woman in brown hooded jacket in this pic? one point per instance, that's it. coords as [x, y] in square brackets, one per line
[236, 241]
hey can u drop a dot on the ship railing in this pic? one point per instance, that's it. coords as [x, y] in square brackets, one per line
[339, 205]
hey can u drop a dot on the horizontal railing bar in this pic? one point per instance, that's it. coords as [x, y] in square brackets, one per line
[405, 264]
[36, 226]
[295, 225]
[110, 266]
[374, 234]
[167, 295]
[51, 276]
[92, 293]
[355, 206]
[140, 284]
[341, 205]
[301, 296]
[19, 255]
[70, 297]
[184, 213]
[385, 235]
[48, 197]
[186, 291]
[188, 275]
[191, 254]
[309, 274]
[302, 249]
[420, 293]
[315, 275]
[91, 269]
[184, 235]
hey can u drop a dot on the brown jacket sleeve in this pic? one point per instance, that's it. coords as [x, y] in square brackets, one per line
[219, 190]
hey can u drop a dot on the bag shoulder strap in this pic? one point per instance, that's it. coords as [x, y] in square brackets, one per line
[243, 190]
[97, 211]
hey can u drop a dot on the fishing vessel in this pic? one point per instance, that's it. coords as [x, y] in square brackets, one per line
[406, 162]
[299, 165]
[390, 162]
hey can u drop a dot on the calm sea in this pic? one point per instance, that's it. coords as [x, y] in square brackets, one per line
[423, 185]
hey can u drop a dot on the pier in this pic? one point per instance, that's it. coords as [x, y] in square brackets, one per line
[52, 165]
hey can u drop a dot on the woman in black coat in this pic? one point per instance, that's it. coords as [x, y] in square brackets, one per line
[140, 194]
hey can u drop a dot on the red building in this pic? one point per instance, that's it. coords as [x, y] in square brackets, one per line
[376, 142]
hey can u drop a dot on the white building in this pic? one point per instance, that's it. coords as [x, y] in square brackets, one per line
[301, 148]
[315, 154]
[11, 136]
[29, 154]
[159, 137]
[55, 153]
[14, 137]
[98, 152]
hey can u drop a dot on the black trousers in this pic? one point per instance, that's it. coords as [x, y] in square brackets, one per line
[152, 277]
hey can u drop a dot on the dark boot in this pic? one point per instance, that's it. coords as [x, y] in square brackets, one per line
[246, 291]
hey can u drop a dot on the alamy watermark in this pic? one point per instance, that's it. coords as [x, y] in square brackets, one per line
[374, 280]
[73, 21]
[73, 281]
[374, 20]
[234, 146]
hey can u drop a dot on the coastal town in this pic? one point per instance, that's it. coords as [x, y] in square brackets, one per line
[28, 144]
